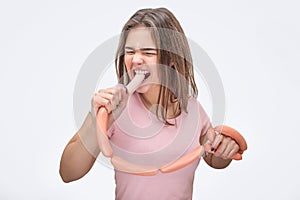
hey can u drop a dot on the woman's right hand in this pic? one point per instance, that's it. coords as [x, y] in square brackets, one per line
[112, 99]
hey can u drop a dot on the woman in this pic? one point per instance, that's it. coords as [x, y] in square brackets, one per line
[152, 41]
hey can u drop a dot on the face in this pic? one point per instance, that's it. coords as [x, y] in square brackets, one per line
[141, 54]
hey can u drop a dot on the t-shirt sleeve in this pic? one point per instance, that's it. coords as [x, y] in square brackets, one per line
[204, 119]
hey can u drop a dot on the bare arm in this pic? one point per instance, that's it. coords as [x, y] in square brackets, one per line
[82, 150]
[76, 159]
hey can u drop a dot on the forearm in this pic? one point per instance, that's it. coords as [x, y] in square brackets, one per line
[80, 153]
[76, 161]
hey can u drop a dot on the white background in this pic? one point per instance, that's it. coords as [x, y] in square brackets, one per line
[254, 45]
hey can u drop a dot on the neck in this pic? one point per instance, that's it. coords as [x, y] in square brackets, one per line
[150, 99]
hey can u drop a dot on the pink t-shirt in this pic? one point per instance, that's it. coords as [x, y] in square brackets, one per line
[139, 137]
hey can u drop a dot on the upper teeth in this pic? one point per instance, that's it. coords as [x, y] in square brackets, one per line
[140, 71]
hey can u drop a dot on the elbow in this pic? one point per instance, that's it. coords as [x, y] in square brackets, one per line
[64, 178]
[67, 176]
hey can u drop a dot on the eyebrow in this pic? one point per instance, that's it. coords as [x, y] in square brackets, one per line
[142, 49]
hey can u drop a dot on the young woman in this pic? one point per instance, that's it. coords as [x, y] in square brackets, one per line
[152, 41]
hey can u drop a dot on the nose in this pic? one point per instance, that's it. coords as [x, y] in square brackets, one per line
[137, 59]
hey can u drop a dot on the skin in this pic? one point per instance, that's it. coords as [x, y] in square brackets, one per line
[140, 53]
[76, 161]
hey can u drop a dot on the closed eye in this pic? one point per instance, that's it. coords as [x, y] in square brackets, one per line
[150, 53]
[145, 51]
[129, 52]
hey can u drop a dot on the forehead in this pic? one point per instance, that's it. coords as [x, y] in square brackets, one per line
[140, 37]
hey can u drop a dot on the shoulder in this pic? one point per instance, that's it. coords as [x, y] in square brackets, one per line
[193, 103]
[194, 106]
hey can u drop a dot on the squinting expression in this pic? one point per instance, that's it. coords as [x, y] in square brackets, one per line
[141, 54]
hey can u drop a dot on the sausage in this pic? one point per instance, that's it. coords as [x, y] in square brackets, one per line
[125, 166]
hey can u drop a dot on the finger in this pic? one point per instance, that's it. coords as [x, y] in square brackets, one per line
[220, 150]
[99, 91]
[234, 150]
[112, 90]
[119, 94]
[124, 93]
[105, 95]
[211, 134]
[226, 153]
[121, 89]
[216, 142]
[226, 147]
[232, 153]
[101, 100]
[110, 97]
[113, 103]
[207, 147]
[115, 97]
[109, 107]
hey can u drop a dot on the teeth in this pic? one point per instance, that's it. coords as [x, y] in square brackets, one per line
[141, 72]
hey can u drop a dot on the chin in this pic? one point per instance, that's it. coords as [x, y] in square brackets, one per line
[143, 89]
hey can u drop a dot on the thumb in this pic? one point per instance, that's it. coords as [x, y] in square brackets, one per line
[123, 91]
[211, 135]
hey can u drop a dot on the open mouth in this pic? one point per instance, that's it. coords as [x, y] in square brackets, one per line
[139, 72]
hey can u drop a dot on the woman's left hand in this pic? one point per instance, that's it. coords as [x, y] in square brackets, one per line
[220, 145]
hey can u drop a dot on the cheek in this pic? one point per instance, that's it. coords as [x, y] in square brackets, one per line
[127, 62]
[128, 65]
[151, 60]
[155, 72]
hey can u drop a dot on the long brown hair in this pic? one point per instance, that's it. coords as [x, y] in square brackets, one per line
[177, 84]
